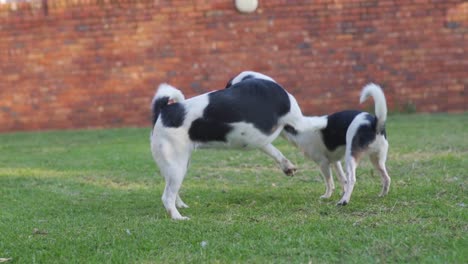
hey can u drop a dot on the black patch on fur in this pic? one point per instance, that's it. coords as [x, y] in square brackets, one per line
[334, 135]
[364, 136]
[255, 101]
[205, 130]
[173, 115]
[382, 131]
[158, 104]
[291, 130]
[248, 76]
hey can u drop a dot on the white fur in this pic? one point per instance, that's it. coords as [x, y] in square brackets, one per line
[380, 104]
[170, 91]
[256, 75]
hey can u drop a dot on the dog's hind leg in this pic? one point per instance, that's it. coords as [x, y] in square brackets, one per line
[327, 175]
[174, 175]
[285, 165]
[351, 164]
[341, 175]
[378, 160]
[172, 158]
[179, 202]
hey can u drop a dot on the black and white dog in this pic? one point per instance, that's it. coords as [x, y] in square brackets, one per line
[250, 114]
[347, 134]
[350, 134]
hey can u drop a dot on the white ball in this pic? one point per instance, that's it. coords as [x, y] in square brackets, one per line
[246, 6]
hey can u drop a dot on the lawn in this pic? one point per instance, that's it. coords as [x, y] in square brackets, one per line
[94, 196]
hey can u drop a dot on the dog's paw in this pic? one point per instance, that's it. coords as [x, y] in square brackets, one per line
[290, 171]
[175, 215]
[342, 202]
[181, 205]
[181, 218]
[325, 196]
[383, 193]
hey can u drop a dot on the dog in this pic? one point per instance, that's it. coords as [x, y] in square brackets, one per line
[249, 114]
[348, 134]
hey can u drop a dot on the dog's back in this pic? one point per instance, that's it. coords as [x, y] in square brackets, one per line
[229, 113]
[334, 134]
[256, 101]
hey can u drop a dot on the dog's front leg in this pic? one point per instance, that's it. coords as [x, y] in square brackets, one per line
[285, 165]
[327, 175]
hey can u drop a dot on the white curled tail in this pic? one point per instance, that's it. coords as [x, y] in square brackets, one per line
[380, 103]
[166, 94]
[167, 90]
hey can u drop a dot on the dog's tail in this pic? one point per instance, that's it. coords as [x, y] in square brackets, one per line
[380, 103]
[165, 95]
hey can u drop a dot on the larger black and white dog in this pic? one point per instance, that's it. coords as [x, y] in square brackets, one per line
[347, 134]
[250, 114]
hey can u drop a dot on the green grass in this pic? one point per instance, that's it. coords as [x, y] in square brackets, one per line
[94, 197]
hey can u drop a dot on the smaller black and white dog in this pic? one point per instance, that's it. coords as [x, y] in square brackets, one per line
[347, 134]
[250, 114]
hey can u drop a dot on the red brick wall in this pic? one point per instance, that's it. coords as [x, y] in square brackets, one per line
[96, 63]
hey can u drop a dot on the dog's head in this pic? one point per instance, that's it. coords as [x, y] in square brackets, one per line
[245, 75]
